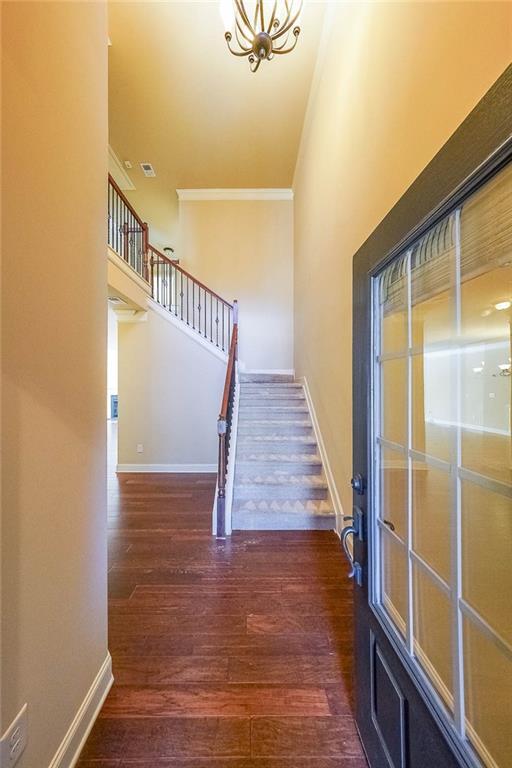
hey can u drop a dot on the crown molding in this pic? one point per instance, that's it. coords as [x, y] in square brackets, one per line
[117, 171]
[190, 195]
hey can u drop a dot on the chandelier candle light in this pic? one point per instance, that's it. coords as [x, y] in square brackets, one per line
[269, 32]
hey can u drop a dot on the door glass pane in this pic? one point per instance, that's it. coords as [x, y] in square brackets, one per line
[432, 507]
[433, 419]
[394, 579]
[488, 683]
[394, 400]
[433, 632]
[486, 443]
[394, 490]
[487, 555]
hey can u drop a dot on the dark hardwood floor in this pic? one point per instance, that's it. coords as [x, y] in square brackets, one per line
[225, 656]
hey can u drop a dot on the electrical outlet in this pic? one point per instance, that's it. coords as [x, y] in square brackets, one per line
[140, 448]
[14, 740]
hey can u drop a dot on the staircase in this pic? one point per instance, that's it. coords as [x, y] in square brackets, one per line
[274, 479]
[279, 482]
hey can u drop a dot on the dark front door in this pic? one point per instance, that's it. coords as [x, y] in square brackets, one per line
[432, 530]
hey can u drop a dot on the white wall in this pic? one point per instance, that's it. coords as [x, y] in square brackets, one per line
[53, 538]
[170, 390]
[112, 357]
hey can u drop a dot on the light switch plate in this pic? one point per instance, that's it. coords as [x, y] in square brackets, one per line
[14, 740]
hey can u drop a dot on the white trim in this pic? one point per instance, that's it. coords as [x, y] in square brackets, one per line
[333, 491]
[69, 751]
[128, 270]
[171, 468]
[186, 329]
[196, 195]
[117, 169]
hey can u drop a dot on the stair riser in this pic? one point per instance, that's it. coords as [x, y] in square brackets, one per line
[250, 468]
[247, 428]
[275, 389]
[287, 447]
[284, 401]
[265, 378]
[268, 521]
[270, 492]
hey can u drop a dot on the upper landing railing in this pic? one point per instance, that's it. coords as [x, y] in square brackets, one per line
[172, 287]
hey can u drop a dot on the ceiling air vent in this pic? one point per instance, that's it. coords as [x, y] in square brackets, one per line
[147, 169]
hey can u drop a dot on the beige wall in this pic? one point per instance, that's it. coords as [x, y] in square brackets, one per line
[54, 156]
[170, 390]
[244, 250]
[395, 82]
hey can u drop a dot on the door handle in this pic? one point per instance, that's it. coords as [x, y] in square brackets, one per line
[358, 484]
[356, 529]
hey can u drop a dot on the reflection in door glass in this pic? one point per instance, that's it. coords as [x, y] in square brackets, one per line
[443, 463]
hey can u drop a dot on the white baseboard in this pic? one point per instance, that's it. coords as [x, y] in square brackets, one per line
[69, 751]
[171, 468]
[333, 491]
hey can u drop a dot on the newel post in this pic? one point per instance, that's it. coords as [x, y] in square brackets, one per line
[221, 479]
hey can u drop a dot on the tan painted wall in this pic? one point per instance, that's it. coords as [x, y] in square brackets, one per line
[170, 390]
[54, 155]
[244, 250]
[395, 82]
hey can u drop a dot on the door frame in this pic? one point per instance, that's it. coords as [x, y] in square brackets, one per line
[479, 148]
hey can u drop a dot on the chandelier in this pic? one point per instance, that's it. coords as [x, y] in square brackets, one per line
[258, 32]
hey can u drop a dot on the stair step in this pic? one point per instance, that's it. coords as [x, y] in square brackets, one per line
[266, 378]
[277, 444]
[283, 515]
[261, 463]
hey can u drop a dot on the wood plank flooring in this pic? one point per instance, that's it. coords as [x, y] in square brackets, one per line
[234, 655]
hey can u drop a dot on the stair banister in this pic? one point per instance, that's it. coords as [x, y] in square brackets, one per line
[190, 300]
[224, 423]
[127, 232]
[175, 289]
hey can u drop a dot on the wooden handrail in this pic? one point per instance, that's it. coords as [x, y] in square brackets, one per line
[126, 201]
[187, 274]
[224, 423]
[171, 286]
[229, 374]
